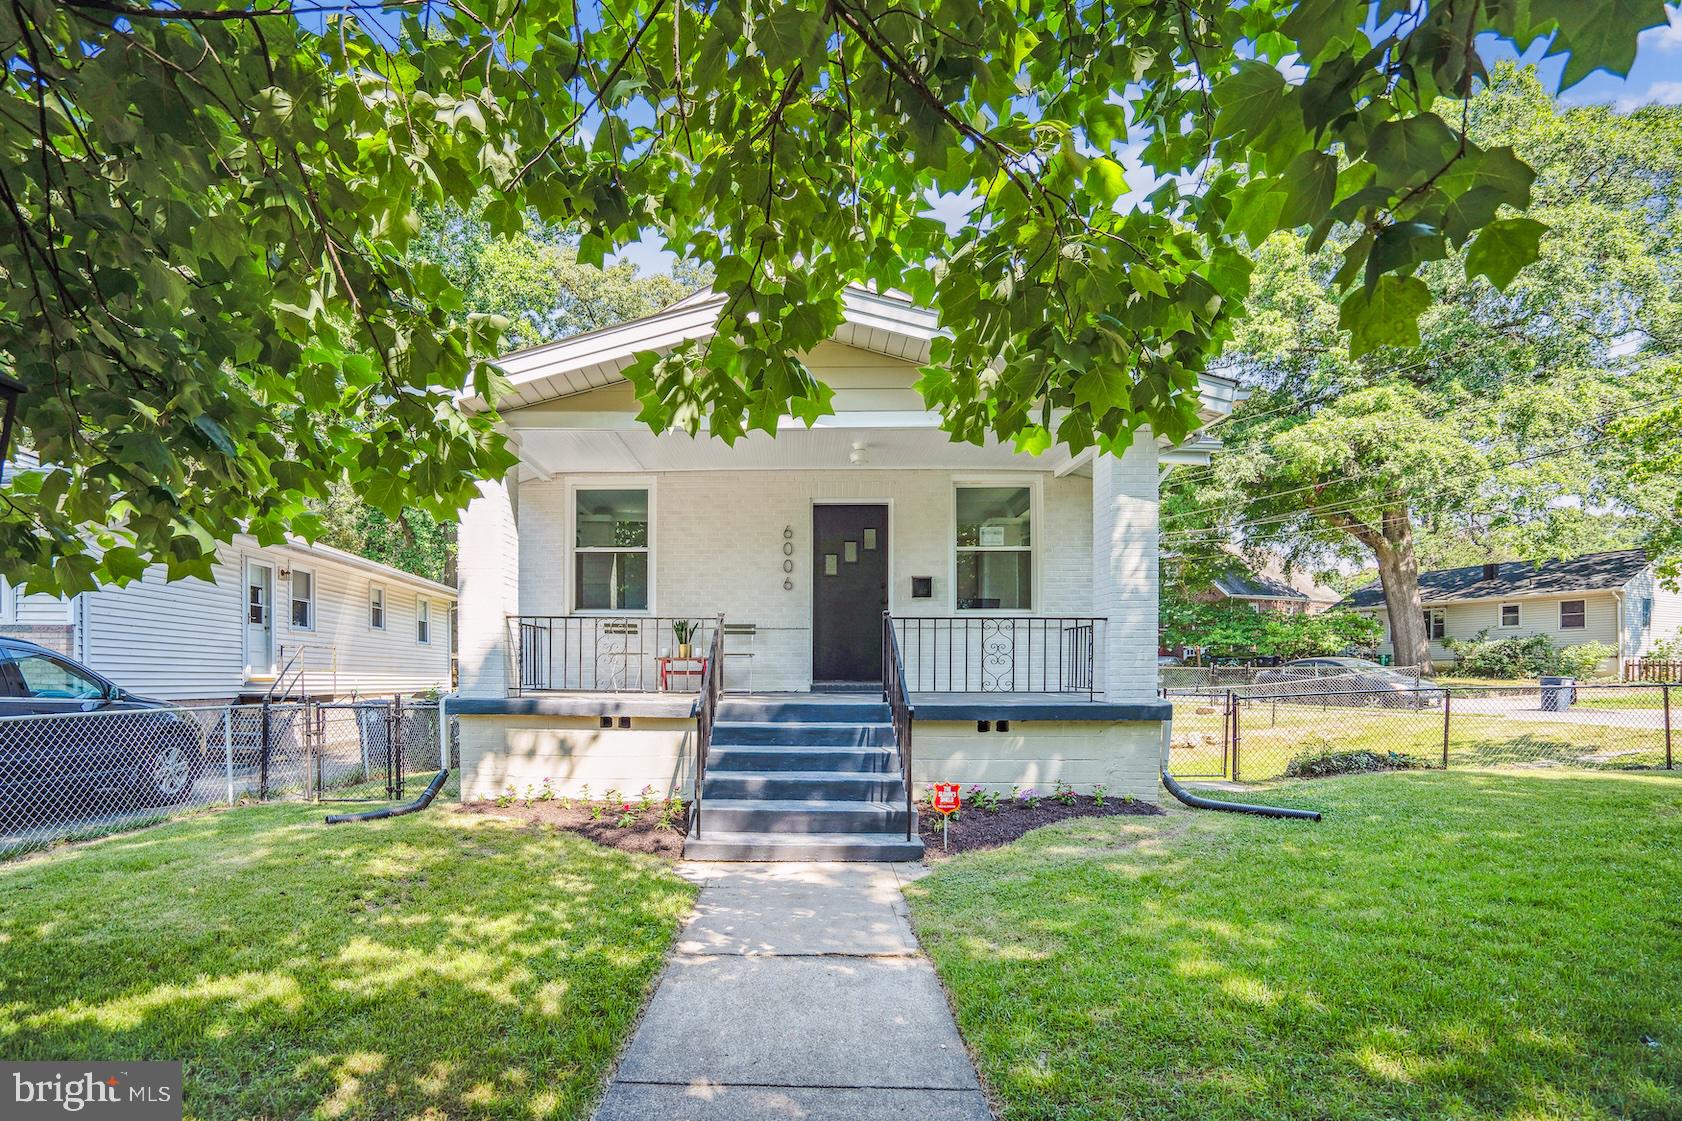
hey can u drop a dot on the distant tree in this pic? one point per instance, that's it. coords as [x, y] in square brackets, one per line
[534, 279]
[414, 541]
[1225, 629]
[1499, 427]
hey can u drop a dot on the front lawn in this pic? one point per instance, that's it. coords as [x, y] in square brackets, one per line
[1273, 732]
[1465, 945]
[435, 965]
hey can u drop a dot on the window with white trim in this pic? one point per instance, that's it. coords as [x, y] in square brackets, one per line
[8, 601]
[1436, 625]
[423, 622]
[376, 607]
[1510, 614]
[995, 547]
[302, 584]
[610, 549]
[1573, 614]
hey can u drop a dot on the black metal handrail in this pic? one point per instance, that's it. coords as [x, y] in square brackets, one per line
[983, 653]
[901, 709]
[706, 711]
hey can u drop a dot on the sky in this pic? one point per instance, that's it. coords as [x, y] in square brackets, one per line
[1656, 77]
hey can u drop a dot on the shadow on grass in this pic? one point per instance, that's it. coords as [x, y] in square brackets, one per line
[433, 965]
[1482, 945]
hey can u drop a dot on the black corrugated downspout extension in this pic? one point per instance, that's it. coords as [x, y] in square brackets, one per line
[416, 806]
[1197, 802]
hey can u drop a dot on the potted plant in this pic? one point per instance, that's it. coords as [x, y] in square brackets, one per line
[684, 631]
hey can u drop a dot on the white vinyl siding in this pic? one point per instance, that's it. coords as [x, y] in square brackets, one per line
[1538, 615]
[184, 640]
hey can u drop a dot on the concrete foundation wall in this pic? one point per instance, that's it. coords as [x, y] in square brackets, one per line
[1125, 758]
[521, 751]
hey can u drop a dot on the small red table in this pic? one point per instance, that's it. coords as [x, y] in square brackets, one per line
[670, 667]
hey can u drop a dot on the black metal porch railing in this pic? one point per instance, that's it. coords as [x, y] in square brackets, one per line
[606, 653]
[901, 710]
[706, 711]
[1001, 653]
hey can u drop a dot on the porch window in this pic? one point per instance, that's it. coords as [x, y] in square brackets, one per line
[1573, 614]
[610, 545]
[995, 549]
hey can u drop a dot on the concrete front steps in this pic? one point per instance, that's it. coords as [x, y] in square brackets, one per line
[802, 780]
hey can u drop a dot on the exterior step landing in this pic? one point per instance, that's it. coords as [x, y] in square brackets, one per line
[788, 780]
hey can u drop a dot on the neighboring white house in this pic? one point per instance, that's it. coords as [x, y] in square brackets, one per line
[1601, 597]
[348, 625]
[1022, 588]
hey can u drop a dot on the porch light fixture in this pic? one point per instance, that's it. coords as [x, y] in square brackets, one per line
[11, 389]
[857, 455]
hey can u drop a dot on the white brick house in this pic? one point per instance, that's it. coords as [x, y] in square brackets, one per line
[1022, 589]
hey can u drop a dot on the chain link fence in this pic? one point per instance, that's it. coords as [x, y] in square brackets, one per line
[1256, 733]
[69, 776]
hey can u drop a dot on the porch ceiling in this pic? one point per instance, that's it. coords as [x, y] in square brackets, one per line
[551, 451]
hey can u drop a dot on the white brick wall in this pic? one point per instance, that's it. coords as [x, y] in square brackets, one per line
[718, 546]
[1124, 571]
[488, 567]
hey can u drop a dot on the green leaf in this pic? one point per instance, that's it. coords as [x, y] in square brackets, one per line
[1401, 247]
[1411, 149]
[1108, 178]
[1250, 100]
[1385, 314]
[1598, 36]
[1503, 248]
[1310, 184]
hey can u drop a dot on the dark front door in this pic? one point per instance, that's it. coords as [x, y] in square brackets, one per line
[849, 592]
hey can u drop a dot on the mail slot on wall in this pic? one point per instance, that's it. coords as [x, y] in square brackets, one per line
[922, 587]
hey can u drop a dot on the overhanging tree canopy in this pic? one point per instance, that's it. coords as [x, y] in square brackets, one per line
[209, 206]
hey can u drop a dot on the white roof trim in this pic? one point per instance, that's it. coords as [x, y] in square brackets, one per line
[384, 571]
[885, 323]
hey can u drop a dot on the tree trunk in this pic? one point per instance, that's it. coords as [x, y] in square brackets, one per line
[1398, 576]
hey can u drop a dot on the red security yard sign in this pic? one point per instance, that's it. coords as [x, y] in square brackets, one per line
[946, 802]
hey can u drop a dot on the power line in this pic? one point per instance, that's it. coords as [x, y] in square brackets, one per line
[1351, 504]
[1227, 506]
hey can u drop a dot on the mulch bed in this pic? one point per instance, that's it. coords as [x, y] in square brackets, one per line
[975, 828]
[644, 836]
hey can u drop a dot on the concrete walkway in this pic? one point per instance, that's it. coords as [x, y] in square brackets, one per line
[797, 992]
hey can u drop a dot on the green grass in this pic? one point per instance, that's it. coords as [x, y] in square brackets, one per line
[1463, 945]
[436, 965]
[1271, 734]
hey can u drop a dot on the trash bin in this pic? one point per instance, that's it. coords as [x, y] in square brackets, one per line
[1558, 693]
[1384, 659]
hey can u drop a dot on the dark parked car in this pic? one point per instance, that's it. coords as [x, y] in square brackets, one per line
[127, 749]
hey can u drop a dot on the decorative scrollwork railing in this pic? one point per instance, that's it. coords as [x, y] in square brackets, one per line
[1000, 653]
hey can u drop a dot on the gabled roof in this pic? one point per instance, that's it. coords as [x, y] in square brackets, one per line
[1593, 572]
[887, 323]
[1238, 583]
